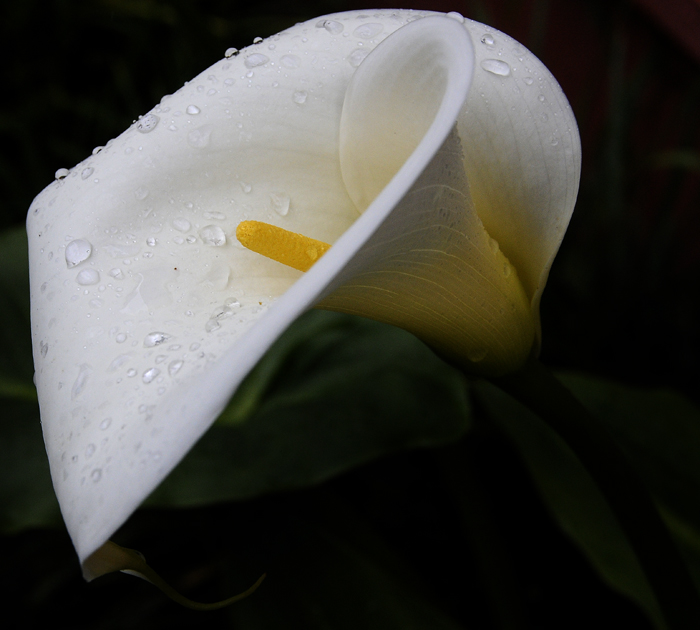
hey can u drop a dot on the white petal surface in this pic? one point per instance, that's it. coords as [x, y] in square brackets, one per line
[522, 154]
[146, 312]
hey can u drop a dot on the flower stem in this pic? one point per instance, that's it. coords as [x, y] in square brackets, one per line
[628, 497]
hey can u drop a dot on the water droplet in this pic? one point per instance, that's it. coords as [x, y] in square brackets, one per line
[356, 57]
[174, 367]
[456, 16]
[331, 26]
[43, 348]
[90, 450]
[155, 339]
[96, 150]
[193, 110]
[181, 225]
[290, 61]
[86, 172]
[212, 325]
[120, 338]
[81, 381]
[147, 123]
[255, 60]
[151, 241]
[232, 301]
[160, 358]
[257, 40]
[506, 270]
[280, 203]
[104, 425]
[299, 97]
[141, 193]
[215, 215]
[131, 372]
[246, 187]
[493, 244]
[87, 277]
[194, 346]
[213, 235]
[554, 141]
[96, 475]
[199, 138]
[77, 251]
[116, 273]
[118, 362]
[496, 66]
[540, 98]
[488, 40]
[150, 374]
[222, 312]
[528, 80]
[230, 52]
[368, 31]
[62, 173]
[477, 355]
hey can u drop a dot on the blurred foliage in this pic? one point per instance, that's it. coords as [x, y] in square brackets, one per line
[451, 536]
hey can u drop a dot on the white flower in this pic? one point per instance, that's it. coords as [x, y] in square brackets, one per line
[445, 207]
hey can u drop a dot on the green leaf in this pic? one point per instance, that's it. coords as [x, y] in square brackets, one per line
[26, 494]
[571, 495]
[16, 363]
[660, 432]
[334, 392]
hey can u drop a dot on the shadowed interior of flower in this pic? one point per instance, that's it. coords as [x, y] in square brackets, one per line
[147, 312]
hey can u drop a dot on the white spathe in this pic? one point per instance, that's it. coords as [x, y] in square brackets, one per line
[147, 313]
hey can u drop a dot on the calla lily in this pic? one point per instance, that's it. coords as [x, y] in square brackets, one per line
[436, 156]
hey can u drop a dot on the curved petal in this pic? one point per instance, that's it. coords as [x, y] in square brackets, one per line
[522, 154]
[431, 268]
[146, 314]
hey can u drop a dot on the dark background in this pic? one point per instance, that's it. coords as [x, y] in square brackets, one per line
[621, 303]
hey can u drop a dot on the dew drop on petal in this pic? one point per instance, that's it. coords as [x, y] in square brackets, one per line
[212, 325]
[299, 97]
[147, 123]
[193, 110]
[96, 475]
[174, 367]
[280, 203]
[356, 57]
[199, 138]
[181, 225]
[90, 450]
[331, 26]
[61, 173]
[81, 381]
[528, 80]
[368, 31]
[290, 61]
[86, 172]
[150, 374]
[87, 277]
[104, 425]
[116, 273]
[77, 251]
[257, 40]
[456, 16]
[496, 66]
[488, 40]
[230, 52]
[213, 235]
[255, 60]
[154, 339]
